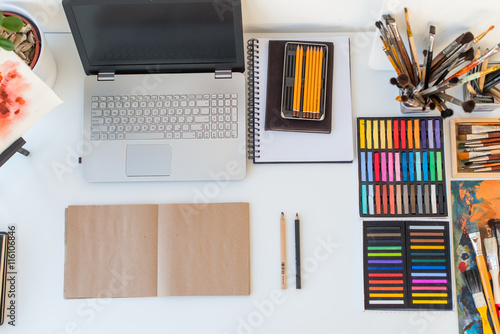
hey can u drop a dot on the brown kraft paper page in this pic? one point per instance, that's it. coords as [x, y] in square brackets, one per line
[203, 249]
[111, 251]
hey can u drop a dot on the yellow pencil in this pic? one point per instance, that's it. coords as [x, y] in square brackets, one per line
[317, 83]
[307, 81]
[320, 74]
[298, 81]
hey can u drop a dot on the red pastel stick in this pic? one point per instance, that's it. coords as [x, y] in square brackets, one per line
[403, 135]
[384, 198]
[377, 199]
[396, 134]
[376, 166]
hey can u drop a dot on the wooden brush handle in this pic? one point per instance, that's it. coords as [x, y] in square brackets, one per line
[484, 316]
[488, 294]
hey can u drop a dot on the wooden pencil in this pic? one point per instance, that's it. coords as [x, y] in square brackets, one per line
[283, 250]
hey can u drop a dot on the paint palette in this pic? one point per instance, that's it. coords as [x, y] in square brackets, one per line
[407, 265]
[401, 167]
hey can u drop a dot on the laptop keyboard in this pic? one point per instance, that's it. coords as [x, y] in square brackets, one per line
[183, 116]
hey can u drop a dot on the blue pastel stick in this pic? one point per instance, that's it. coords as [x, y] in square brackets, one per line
[404, 166]
[363, 166]
[418, 166]
[425, 166]
[411, 166]
[364, 199]
[369, 166]
[437, 130]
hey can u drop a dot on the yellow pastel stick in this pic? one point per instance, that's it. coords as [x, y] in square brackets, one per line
[375, 134]
[369, 134]
[362, 138]
[389, 134]
[382, 135]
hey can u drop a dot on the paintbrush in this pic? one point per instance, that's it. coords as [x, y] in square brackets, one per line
[475, 62]
[413, 48]
[484, 158]
[400, 47]
[463, 129]
[447, 52]
[443, 109]
[453, 54]
[484, 66]
[481, 148]
[430, 50]
[455, 81]
[474, 144]
[467, 106]
[469, 155]
[445, 69]
[478, 38]
[485, 169]
[488, 135]
[391, 58]
[473, 281]
[491, 249]
[475, 238]
[472, 166]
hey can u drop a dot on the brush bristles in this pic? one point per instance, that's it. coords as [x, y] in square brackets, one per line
[468, 37]
[447, 113]
[472, 227]
[432, 30]
[469, 106]
[454, 80]
[473, 280]
[403, 80]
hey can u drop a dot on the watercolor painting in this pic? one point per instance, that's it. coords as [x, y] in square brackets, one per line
[472, 201]
[24, 98]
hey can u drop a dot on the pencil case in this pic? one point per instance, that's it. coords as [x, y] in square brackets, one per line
[304, 81]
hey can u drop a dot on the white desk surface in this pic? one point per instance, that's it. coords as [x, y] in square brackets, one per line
[33, 196]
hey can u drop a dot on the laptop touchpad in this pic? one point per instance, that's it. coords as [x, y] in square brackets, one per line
[149, 160]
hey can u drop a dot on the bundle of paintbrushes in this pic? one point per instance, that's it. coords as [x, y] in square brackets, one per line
[482, 282]
[478, 147]
[304, 81]
[423, 86]
[482, 90]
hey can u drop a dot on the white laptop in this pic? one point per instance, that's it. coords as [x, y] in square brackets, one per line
[165, 90]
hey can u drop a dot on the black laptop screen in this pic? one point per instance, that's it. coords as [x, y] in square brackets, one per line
[156, 35]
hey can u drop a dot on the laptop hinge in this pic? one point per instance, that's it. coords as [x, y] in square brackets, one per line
[223, 74]
[106, 76]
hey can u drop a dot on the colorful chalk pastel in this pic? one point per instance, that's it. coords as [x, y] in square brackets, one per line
[407, 264]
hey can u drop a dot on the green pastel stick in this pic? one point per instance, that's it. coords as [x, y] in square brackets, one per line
[439, 166]
[432, 165]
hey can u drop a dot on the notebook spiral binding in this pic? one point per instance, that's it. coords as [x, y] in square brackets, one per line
[253, 98]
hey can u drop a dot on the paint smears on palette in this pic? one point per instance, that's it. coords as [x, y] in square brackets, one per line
[407, 265]
[401, 167]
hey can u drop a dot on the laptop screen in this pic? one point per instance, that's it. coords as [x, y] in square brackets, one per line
[139, 36]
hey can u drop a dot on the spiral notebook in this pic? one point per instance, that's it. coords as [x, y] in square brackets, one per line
[300, 147]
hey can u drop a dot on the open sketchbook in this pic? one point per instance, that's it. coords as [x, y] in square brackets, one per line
[157, 250]
[300, 147]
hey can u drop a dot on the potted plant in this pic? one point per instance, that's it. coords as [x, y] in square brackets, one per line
[9, 24]
[28, 42]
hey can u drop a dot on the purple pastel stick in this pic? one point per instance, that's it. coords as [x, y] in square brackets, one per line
[423, 134]
[437, 131]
